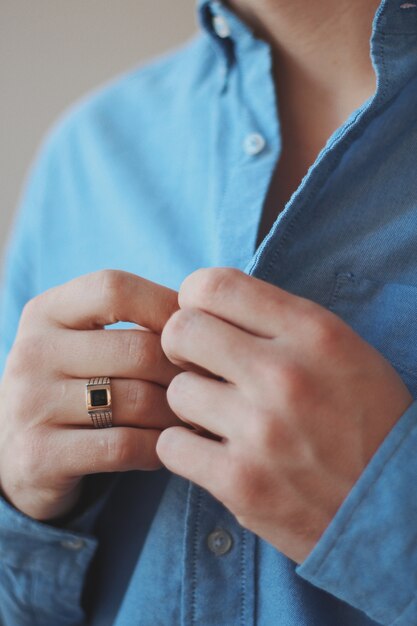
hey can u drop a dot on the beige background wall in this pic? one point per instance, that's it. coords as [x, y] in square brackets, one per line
[53, 51]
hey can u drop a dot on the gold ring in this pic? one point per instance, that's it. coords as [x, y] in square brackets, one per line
[98, 399]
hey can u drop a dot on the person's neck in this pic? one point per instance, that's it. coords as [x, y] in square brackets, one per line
[320, 47]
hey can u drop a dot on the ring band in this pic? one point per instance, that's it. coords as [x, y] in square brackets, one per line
[98, 400]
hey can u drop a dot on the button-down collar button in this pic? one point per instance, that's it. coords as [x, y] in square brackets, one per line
[254, 143]
[221, 26]
[219, 542]
[73, 544]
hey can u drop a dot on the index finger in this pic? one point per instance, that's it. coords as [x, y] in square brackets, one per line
[251, 304]
[106, 297]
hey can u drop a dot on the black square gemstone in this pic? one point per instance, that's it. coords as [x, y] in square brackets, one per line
[98, 397]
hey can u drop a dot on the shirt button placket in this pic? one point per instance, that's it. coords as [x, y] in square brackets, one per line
[218, 575]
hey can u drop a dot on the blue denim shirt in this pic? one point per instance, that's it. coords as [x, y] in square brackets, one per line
[166, 170]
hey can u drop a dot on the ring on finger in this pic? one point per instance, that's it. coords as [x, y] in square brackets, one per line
[98, 400]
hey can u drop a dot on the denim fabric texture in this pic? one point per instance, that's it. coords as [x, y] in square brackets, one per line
[158, 170]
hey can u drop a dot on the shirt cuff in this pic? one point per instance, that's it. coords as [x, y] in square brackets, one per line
[43, 569]
[368, 554]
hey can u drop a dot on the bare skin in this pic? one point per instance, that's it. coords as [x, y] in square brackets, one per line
[322, 73]
[322, 45]
[47, 443]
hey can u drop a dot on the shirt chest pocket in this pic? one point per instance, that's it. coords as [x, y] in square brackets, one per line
[385, 315]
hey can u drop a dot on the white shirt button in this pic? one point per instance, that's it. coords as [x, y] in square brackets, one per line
[254, 144]
[221, 26]
[219, 542]
[73, 544]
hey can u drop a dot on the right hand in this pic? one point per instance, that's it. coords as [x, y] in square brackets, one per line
[47, 442]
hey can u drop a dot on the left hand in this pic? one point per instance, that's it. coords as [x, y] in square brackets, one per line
[306, 404]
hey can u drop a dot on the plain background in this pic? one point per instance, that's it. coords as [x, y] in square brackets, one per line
[54, 51]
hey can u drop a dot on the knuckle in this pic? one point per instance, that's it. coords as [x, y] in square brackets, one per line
[134, 397]
[292, 382]
[209, 285]
[263, 369]
[111, 286]
[29, 311]
[151, 356]
[119, 448]
[280, 382]
[272, 435]
[178, 328]
[325, 332]
[243, 486]
[32, 310]
[266, 430]
[126, 451]
[177, 390]
[263, 430]
[134, 347]
[139, 398]
[286, 385]
[141, 351]
[263, 365]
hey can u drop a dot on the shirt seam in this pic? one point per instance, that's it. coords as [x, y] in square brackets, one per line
[402, 33]
[194, 557]
[243, 576]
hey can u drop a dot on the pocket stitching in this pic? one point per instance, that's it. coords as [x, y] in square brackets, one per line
[341, 279]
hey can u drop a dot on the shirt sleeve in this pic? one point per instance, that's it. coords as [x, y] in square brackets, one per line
[368, 555]
[43, 568]
[20, 260]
